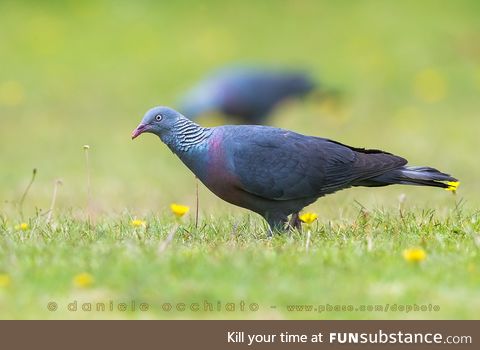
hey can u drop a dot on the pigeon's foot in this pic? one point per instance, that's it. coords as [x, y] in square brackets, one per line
[275, 231]
[295, 222]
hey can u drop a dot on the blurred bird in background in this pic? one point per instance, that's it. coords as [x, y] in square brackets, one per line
[248, 94]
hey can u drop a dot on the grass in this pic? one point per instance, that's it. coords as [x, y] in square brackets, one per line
[83, 73]
[355, 263]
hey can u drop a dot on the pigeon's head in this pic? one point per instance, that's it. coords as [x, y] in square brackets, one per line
[158, 120]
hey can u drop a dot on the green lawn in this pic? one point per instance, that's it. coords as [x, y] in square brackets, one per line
[356, 263]
[83, 73]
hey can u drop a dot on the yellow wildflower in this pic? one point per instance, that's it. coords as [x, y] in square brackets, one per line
[308, 218]
[179, 210]
[138, 223]
[83, 280]
[414, 254]
[22, 226]
[5, 280]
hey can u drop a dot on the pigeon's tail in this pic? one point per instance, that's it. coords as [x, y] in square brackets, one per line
[420, 176]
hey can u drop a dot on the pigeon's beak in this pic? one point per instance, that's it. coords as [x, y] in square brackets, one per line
[139, 130]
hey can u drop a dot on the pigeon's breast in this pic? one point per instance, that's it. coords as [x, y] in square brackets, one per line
[219, 177]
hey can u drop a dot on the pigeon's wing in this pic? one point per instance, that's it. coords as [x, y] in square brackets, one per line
[282, 165]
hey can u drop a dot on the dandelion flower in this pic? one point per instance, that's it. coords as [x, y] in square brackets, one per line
[5, 280]
[414, 254]
[83, 280]
[22, 226]
[308, 218]
[179, 210]
[138, 223]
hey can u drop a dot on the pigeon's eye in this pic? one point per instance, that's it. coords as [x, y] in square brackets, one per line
[158, 117]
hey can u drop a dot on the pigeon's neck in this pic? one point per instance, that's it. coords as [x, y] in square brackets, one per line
[186, 136]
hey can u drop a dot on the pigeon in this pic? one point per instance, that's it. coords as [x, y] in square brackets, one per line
[276, 172]
[246, 93]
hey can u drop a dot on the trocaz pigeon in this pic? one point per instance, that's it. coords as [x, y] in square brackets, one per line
[248, 94]
[276, 172]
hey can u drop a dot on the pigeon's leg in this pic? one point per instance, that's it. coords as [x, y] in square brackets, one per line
[295, 221]
[276, 223]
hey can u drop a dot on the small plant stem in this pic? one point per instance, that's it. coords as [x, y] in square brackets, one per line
[165, 243]
[307, 244]
[54, 198]
[196, 203]
[20, 204]
[87, 165]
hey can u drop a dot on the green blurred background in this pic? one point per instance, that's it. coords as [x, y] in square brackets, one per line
[75, 73]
